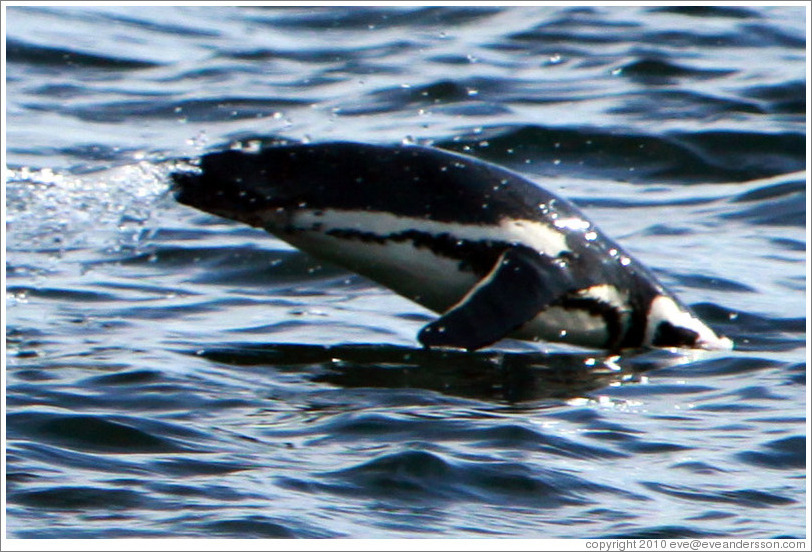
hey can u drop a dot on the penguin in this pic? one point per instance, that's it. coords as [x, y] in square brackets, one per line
[493, 253]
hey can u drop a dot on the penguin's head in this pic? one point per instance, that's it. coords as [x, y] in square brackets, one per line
[671, 325]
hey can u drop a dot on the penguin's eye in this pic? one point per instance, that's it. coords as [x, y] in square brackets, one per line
[669, 335]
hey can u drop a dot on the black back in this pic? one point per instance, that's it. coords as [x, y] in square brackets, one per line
[409, 181]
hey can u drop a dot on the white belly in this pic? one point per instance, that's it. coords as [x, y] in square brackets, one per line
[413, 272]
[571, 326]
[434, 281]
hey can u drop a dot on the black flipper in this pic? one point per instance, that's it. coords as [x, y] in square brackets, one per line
[522, 283]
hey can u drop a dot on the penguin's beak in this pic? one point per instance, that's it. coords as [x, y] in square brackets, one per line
[715, 343]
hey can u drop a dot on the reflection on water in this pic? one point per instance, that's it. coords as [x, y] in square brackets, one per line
[511, 377]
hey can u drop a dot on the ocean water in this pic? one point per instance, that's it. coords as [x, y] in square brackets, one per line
[171, 374]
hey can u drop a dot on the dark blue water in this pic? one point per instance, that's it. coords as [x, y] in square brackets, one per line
[173, 374]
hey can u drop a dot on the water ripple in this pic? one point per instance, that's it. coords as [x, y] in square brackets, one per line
[22, 52]
[428, 477]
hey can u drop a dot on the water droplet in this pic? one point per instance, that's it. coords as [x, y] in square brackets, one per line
[199, 141]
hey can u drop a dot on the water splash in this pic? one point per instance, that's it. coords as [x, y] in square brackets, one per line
[53, 213]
